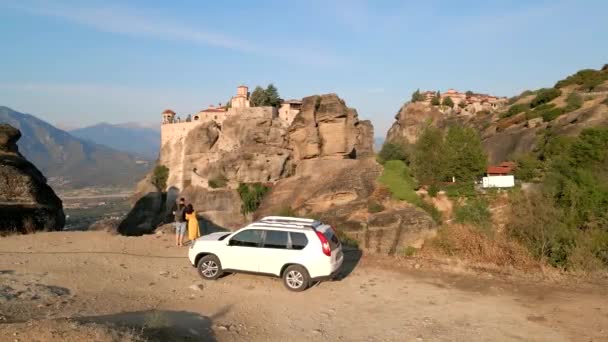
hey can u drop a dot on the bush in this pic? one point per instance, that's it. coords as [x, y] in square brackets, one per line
[447, 101]
[474, 212]
[347, 240]
[528, 167]
[586, 79]
[545, 95]
[408, 251]
[431, 210]
[459, 190]
[217, 182]
[573, 102]
[251, 196]
[605, 102]
[374, 207]
[515, 109]
[551, 114]
[433, 190]
[160, 175]
[393, 151]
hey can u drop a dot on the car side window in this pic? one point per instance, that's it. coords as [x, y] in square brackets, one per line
[298, 240]
[276, 239]
[248, 238]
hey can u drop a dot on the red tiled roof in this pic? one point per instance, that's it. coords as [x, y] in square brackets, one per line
[213, 110]
[499, 170]
[169, 111]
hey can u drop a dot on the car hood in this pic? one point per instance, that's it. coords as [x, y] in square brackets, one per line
[213, 236]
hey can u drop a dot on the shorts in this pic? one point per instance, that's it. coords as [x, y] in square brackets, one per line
[180, 228]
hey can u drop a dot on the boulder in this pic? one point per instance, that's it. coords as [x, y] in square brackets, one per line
[27, 202]
[411, 119]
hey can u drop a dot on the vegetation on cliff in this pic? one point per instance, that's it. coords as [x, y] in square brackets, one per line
[265, 97]
[159, 177]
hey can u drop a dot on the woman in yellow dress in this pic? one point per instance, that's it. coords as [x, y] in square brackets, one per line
[193, 228]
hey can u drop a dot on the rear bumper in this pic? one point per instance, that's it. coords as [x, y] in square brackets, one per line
[328, 277]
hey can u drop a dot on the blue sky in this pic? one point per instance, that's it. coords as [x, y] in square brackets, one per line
[76, 63]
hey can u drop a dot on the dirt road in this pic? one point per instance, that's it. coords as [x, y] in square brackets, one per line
[96, 277]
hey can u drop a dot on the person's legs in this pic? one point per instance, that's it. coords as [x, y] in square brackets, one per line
[182, 232]
[177, 228]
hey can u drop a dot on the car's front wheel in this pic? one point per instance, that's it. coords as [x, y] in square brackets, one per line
[296, 278]
[209, 267]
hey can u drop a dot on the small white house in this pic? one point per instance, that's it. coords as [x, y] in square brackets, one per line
[507, 181]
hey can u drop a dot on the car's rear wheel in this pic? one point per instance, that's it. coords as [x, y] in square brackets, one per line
[209, 267]
[296, 278]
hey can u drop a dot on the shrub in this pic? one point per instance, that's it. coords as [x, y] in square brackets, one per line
[447, 101]
[551, 114]
[605, 102]
[573, 102]
[374, 207]
[528, 167]
[433, 190]
[459, 190]
[347, 240]
[515, 109]
[160, 175]
[474, 212]
[393, 151]
[431, 210]
[586, 79]
[251, 196]
[527, 93]
[408, 251]
[219, 181]
[545, 95]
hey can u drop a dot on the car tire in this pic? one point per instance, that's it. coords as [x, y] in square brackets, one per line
[296, 278]
[209, 267]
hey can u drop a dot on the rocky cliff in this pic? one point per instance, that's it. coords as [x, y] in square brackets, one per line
[505, 137]
[27, 203]
[208, 160]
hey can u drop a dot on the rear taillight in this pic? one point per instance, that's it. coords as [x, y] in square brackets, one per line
[324, 243]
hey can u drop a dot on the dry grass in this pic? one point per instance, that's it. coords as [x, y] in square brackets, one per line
[467, 243]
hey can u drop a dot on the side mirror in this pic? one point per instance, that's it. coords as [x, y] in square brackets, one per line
[228, 243]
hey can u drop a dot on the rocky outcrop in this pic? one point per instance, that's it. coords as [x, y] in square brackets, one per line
[27, 203]
[327, 128]
[208, 160]
[411, 119]
[503, 138]
[340, 192]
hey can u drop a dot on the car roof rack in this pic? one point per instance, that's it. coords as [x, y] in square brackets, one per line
[290, 220]
[260, 224]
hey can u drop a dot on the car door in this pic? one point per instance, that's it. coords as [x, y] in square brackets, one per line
[278, 249]
[243, 251]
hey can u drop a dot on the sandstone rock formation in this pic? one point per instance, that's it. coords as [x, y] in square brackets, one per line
[326, 128]
[503, 138]
[341, 194]
[252, 146]
[27, 203]
[411, 120]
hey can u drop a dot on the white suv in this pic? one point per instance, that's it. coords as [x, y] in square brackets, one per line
[301, 251]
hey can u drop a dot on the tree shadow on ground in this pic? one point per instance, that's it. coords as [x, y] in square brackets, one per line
[164, 325]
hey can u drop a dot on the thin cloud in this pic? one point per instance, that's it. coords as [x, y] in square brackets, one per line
[127, 21]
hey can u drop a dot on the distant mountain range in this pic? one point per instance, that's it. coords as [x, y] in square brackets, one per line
[69, 161]
[130, 137]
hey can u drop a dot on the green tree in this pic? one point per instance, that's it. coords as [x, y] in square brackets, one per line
[428, 157]
[393, 151]
[259, 97]
[465, 157]
[159, 177]
[417, 96]
[272, 96]
[447, 101]
[528, 167]
[469, 93]
[436, 100]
